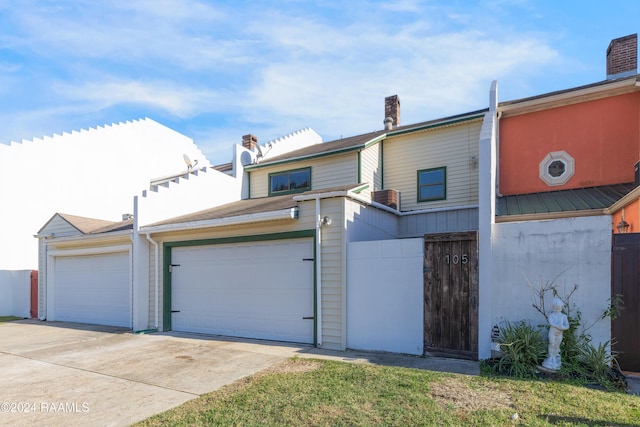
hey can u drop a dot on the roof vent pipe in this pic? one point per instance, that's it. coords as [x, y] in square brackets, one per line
[388, 123]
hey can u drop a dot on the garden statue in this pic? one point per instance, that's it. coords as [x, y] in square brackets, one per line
[558, 323]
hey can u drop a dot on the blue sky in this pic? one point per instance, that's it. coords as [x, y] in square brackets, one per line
[216, 70]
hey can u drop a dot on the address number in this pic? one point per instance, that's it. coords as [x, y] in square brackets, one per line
[456, 259]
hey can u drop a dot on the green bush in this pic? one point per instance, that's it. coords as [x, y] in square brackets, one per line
[523, 348]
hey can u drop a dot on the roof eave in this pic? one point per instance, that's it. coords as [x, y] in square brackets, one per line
[390, 134]
[282, 214]
[630, 197]
[550, 215]
[559, 99]
[102, 237]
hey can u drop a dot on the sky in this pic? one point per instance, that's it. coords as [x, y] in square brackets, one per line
[217, 70]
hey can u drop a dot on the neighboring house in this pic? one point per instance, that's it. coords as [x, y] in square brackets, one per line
[91, 173]
[567, 181]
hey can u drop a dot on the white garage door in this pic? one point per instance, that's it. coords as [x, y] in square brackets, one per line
[255, 290]
[92, 289]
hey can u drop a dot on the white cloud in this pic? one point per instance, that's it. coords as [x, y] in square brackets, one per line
[166, 96]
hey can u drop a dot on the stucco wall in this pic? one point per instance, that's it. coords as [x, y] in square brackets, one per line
[601, 135]
[385, 296]
[573, 251]
[15, 293]
[92, 173]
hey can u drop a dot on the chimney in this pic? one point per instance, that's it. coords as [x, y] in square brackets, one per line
[622, 57]
[249, 141]
[387, 197]
[392, 111]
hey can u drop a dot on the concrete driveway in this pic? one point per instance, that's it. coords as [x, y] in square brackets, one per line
[57, 373]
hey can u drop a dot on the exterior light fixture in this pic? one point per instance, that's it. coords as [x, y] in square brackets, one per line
[622, 226]
[326, 220]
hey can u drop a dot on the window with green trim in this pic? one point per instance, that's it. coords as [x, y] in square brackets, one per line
[293, 181]
[432, 184]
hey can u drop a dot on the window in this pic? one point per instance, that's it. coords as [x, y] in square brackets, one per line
[557, 168]
[432, 184]
[293, 181]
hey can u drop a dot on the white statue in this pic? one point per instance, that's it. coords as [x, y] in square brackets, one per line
[558, 323]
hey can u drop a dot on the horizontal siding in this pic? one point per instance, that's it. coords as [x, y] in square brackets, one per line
[333, 275]
[369, 223]
[438, 222]
[153, 271]
[326, 172]
[371, 167]
[453, 147]
[60, 228]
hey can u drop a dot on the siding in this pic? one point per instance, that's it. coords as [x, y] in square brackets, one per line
[333, 261]
[60, 228]
[333, 275]
[452, 147]
[369, 223]
[326, 172]
[438, 222]
[371, 167]
[42, 278]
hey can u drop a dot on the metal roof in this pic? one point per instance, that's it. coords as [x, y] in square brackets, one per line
[579, 199]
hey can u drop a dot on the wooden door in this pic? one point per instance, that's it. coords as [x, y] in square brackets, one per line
[451, 294]
[625, 280]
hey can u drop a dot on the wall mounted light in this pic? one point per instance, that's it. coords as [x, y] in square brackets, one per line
[622, 226]
[326, 220]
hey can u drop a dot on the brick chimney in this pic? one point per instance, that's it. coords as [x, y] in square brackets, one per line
[387, 197]
[249, 141]
[391, 110]
[622, 57]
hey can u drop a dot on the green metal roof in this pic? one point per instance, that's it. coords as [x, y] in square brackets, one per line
[578, 199]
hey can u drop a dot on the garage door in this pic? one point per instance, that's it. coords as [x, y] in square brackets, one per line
[255, 290]
[92, 289]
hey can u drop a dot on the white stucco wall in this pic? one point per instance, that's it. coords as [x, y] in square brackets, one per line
[576, 250]
[93, 173]
[200, 189]
[385, 296]
[15, 293]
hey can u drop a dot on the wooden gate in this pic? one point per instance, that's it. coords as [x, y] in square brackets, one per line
[625, 280]
[451, 294]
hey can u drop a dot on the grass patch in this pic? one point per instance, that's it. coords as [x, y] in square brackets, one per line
[4, 319]
[307, 392]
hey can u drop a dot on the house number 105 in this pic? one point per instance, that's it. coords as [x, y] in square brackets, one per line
[456, 259]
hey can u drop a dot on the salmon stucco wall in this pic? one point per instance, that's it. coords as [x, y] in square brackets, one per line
[631, 217]
[603, 136]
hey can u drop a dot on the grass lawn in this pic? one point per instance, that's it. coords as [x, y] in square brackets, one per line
[4, 319]
[308, 392]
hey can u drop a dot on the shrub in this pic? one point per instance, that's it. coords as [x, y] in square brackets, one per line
[523, 348]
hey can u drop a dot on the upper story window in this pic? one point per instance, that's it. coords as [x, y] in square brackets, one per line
[293, 181]
[557, 168]
[432, 184]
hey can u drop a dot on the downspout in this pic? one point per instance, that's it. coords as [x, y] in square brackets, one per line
[318, 273]
[156, 278]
